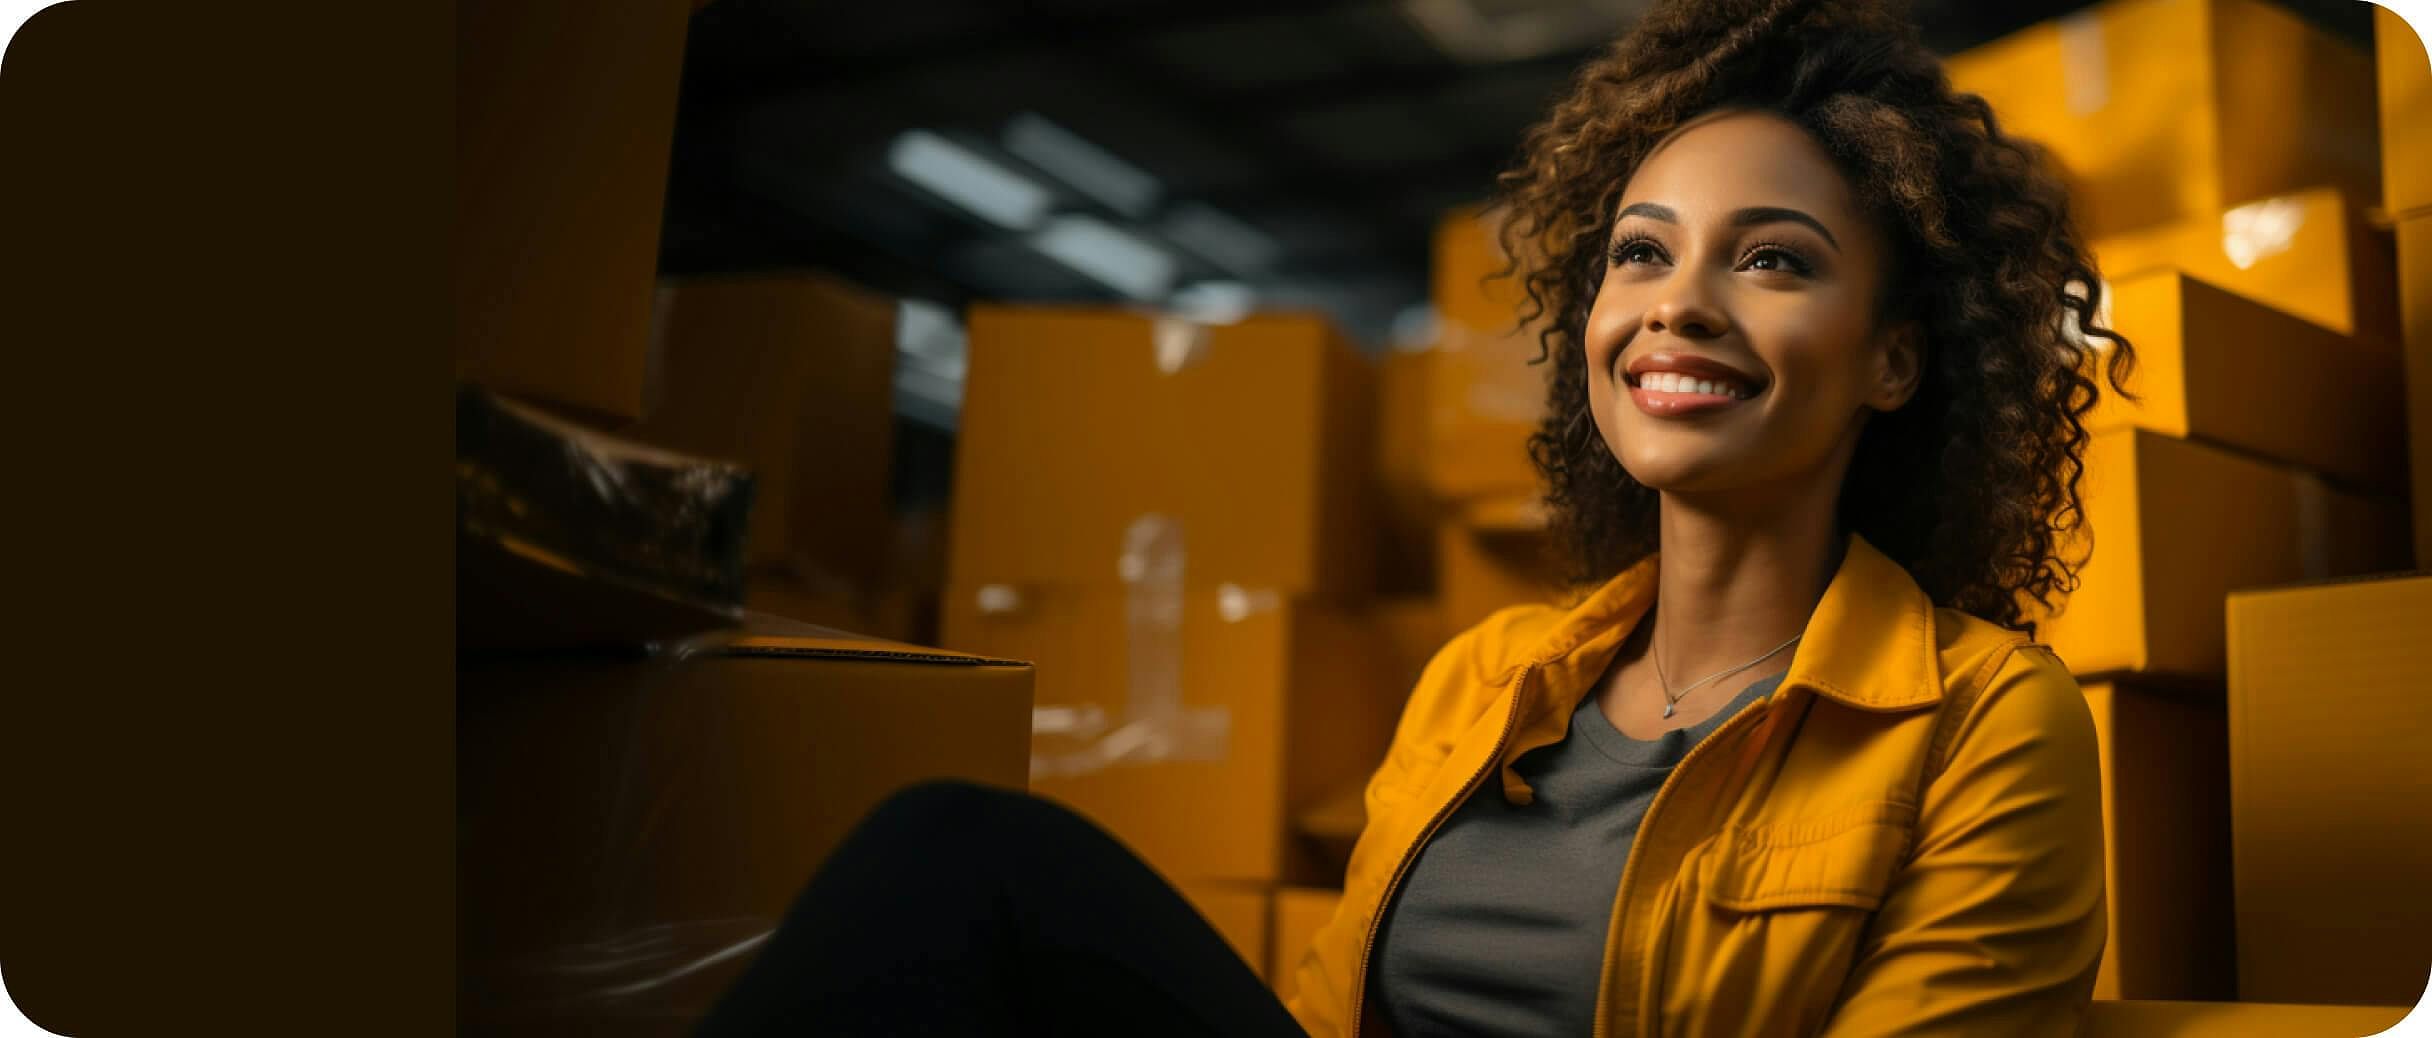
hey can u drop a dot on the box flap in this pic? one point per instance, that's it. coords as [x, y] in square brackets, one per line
[766, 635]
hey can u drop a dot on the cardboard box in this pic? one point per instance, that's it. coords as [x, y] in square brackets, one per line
[2176, 526]
[1486, 396]
[2406, 114]
[2165, 750]
[2160, 111]
[1497, 554]
[1238, 912]
[1406, 509]
[1192, 730]
[2313, 254]
[1412, 631]
[1300, 912]
[565, 117]
[2213, 367]
[2330, 803]
[2415, 274]
[603, 799]
[1253, 439]
[2208, 1019]
[792, 375]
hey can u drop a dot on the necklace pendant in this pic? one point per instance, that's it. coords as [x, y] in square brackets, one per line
[1668, 709]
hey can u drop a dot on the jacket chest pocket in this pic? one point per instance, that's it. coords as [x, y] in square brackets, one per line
[1770, 918]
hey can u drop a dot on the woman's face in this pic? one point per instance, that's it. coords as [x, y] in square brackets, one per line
[1733, 344]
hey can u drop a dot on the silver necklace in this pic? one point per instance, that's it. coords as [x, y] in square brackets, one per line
[1671, 700]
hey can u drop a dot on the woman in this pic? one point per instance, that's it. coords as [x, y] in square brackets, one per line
[1818, 333]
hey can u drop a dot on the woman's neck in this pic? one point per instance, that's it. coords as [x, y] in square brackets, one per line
[1732, 582]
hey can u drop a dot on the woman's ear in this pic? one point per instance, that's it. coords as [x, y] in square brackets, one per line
[1899, 367]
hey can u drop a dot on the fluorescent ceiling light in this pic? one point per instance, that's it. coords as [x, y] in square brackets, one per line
[1115, 258]
[1225, 241]
[1092, 170]
[968, 179]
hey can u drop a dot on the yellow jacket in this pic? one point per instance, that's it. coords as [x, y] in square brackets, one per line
[1905, 837]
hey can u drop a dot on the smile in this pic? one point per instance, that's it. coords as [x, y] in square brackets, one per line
[1672, 394]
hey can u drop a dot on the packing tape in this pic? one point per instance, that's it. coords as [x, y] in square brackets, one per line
[2085, 68]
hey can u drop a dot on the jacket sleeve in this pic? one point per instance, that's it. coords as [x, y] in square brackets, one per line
[1996, 924]
[1441, 706]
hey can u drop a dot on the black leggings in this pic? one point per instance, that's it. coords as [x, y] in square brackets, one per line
[959, 909]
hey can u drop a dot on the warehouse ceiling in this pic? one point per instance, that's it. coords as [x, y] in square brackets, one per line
[1185, 154]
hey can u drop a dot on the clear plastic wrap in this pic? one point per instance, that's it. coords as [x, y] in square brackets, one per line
[1154, 725]
[630, 830]
[567, 537]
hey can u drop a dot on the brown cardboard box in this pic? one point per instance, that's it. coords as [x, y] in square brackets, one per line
[2176, 526]
[2331, 805]
[2164, 751]
[1299, 913]
[793, 375]
[2415, 275]
[688, 801]
[2210, 1019]
[1254, 438]
[1497, 554]
[1280, 701]
[1411, 631]
[2313, 254]
[2406, 114]
[565, 114]
[1406, 511]
[1239, 912]
[1485, 396]
[2161, 111]
[2213, 367]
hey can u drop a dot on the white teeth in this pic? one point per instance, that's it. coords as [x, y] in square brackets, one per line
[1674, 382]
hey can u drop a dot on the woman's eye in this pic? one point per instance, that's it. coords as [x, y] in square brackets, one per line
[1629, 252]
[1772, 258]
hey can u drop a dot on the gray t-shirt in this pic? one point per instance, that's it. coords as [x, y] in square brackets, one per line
[1499, 927]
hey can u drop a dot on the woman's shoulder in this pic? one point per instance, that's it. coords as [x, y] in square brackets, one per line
[2002, 684]
[1976, 653]
[1504, 641]
[1483, 657]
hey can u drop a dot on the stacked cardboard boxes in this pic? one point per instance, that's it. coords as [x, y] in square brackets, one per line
[552, 285]
[792, 375]
[2167, 111]
[1488, 392]
[2406, 150]
[2328, 824]
[2218, 153]
[629, 824]
[1176, 523]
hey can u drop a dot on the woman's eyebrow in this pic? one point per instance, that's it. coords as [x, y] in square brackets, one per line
[1764, 214]
[1651, 211]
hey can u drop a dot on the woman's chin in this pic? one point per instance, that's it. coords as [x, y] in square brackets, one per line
[1682, 472]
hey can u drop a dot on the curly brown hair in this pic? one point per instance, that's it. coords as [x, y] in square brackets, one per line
[1972, 486]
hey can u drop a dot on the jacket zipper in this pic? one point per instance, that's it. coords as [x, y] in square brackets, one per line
[1604, 991]
[1359, 979]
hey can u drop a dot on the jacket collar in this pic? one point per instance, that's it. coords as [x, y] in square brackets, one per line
[1870, 643]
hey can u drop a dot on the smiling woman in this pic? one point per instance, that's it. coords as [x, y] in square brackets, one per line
[1818, 332]
[1819, 339]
